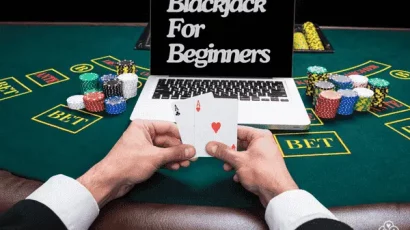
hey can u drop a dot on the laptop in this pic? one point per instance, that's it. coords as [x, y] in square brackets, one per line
[234, 49]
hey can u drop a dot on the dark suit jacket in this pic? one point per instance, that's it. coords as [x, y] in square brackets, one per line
[32, 215]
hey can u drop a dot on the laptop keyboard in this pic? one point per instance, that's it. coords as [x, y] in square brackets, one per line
[235, 89]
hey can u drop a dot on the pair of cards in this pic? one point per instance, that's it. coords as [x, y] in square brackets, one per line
[203, 118]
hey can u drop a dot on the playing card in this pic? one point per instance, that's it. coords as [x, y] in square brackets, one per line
[184, 112]
[216, 120]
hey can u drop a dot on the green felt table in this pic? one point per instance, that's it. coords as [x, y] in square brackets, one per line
[359, 159]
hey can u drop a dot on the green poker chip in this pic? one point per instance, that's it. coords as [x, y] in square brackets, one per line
[89, 82]
[89, 77]
[317, 70]
[379, 83]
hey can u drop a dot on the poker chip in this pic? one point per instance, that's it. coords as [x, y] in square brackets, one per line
[125, 66]
[89, 82]
[365, 99]
[112, 88]
[129, 85]
[315, 73]
[105, 78]
[359, 81]
[341, 81]
[327, 104]
[380, 87]
[115, 105]
[312, 36]
[299, 41]
[321, 86]
[347, 102]
[94, 102]
[75, 102]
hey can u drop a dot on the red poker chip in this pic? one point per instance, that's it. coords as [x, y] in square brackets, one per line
[327, 104]
[95, 96]
[94, 102]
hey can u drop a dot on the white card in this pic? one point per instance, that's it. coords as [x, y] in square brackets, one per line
[184, 112]
[217, 120]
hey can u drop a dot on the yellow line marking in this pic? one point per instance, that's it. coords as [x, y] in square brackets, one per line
[388, 124]
[313, 154]
[108, 56]
[379, 63]
[318, 118]
[392, 73]
[72, 68]
[18, 82]
[35, 118]
[47, 70]
[392, 113]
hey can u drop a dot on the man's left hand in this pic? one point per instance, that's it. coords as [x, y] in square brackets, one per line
[144, 147]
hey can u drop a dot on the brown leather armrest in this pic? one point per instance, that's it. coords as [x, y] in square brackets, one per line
[126, 215]
[14, 189]
[373, 216]
[122, 214]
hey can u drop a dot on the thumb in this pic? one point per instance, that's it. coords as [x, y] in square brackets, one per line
[177, 153]
[223, 152]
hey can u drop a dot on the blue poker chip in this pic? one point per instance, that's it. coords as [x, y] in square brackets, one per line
[347, 102]
[115, 105]
[105, 78]
[341, 81]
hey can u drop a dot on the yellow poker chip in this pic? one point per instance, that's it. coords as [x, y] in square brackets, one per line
[299, 41]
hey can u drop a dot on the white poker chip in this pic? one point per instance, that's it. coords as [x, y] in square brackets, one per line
[75, 102]
[364, 92]
[359, 81]
[130, 85]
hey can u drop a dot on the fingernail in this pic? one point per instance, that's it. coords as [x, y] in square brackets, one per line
[188, 152]
[213, 148]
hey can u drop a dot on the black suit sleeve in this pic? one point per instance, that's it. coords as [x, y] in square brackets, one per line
[325, 224]
[30, 215]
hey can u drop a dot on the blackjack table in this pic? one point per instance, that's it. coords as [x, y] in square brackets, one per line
[358, 159]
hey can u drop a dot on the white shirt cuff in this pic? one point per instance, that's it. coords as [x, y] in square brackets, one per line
[289, 210]
[69, 200]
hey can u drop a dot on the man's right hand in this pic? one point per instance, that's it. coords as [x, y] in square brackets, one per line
[260, 168]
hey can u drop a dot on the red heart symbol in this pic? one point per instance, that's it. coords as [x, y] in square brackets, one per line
[233, 147]
[216, 126]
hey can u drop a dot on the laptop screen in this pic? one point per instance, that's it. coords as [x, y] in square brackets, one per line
[222, 38]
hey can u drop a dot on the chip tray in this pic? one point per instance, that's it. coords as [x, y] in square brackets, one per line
[325, 41]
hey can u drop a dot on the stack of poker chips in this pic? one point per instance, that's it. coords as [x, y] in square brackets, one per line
[328, 104]
[312, 36]
[115, 105]
[89, 82]
[359, 81]
[341, 81]
[347, 102]
[299, 41]
[315, 73]
[321, 86]
[94, 102]
[113, 88]
[75, 102]
[126, 66]
[364, 102]
[380, 87]
[105, 78]
[129, 84]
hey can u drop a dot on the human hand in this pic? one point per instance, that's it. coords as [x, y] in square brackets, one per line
[260, 168]
[143, 148]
